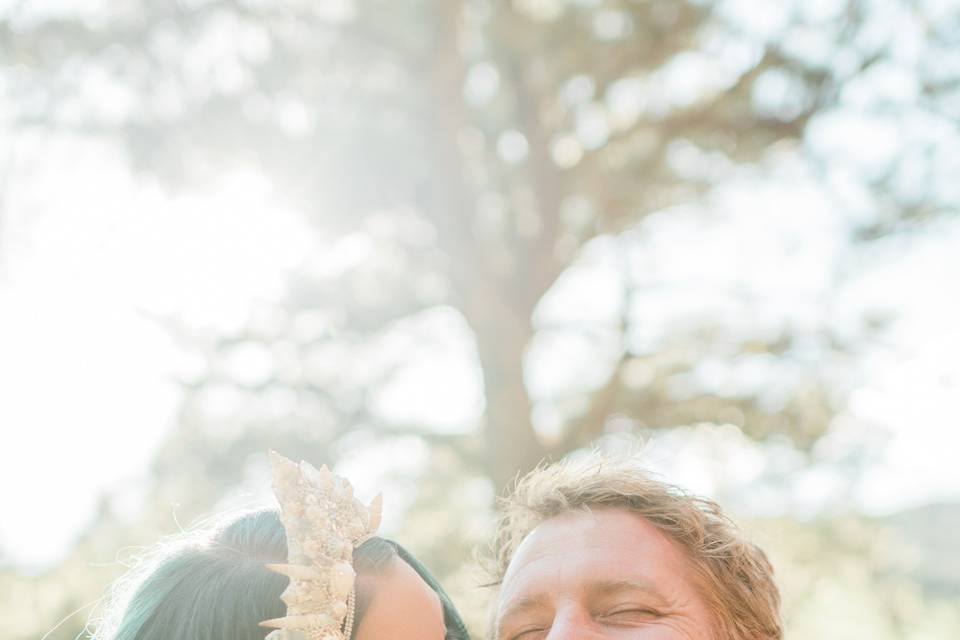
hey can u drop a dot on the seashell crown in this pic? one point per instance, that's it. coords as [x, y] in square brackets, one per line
[324, 524]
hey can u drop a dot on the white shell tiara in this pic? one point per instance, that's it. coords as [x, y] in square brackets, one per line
[324, 524]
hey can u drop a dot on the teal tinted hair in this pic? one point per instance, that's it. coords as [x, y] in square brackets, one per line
[215, 587]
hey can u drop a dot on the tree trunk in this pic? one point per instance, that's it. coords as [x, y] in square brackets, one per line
[497, 305]
[512, 445]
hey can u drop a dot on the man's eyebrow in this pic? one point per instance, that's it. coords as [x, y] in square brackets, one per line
[614, 587]
[523, 605]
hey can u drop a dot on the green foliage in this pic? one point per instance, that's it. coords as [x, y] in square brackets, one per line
[477, 149]
[846, 576]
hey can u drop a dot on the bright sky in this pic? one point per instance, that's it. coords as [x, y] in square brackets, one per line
[85, 371]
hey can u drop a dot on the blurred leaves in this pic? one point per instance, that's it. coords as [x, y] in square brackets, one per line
[475, 148]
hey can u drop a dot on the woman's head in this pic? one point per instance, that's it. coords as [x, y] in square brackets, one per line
[215, 587]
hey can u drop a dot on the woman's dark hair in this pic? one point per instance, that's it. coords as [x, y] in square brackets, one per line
[216, 587]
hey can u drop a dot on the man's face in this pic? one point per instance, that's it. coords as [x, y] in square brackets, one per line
[607, 573]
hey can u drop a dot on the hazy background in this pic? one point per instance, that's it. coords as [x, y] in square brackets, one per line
[431, 242]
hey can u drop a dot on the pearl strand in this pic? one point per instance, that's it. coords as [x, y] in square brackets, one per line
[351, 609]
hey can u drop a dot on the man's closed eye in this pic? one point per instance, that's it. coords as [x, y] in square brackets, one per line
[630, 614]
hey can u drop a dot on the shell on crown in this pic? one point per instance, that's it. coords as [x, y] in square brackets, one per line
[324, 523]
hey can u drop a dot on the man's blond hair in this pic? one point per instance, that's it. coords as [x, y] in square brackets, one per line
[734, 575]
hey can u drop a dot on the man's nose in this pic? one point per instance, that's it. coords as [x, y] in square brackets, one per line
[573, 623]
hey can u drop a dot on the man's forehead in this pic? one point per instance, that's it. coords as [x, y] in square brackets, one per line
[599, 586]
[604, 543]
[603, 527]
